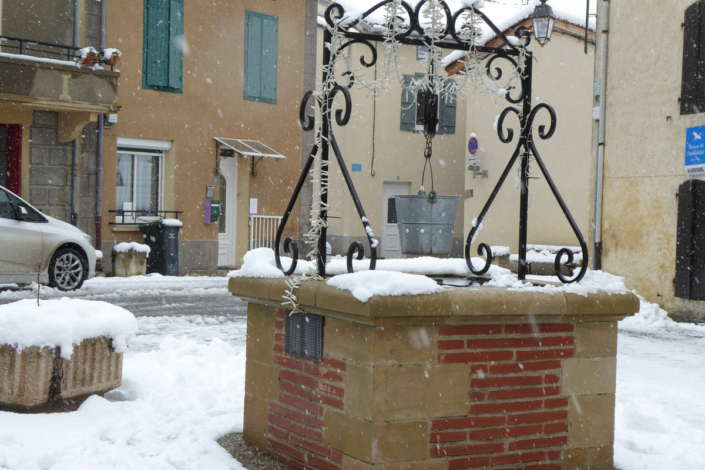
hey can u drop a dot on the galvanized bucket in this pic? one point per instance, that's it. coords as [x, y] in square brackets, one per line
[426, 228]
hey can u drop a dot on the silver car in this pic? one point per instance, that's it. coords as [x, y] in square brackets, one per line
[33, 244]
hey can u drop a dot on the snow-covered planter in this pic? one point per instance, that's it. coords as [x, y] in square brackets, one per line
[89, 56]
[55, 355]
[130, 259]
[111, 56]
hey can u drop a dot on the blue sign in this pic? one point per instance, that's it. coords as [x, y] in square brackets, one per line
[695, 153]
[357, 167]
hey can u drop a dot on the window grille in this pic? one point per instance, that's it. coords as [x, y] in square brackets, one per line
[304, 335]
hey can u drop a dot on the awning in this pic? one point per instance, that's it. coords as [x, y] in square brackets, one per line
[249, 148]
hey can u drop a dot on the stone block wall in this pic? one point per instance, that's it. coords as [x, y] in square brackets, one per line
[50, 167]
[514, 395]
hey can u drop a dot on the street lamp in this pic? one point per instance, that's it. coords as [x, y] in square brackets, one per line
[544, 19]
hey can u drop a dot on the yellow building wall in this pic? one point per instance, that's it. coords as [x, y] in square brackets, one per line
[211, 105]
[645, 148]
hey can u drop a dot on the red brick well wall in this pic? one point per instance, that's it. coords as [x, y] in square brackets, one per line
[295, 421]
[517, 419]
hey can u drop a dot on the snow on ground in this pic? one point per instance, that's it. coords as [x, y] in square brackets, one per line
[106, 287]
[183, 388]
[660, 414]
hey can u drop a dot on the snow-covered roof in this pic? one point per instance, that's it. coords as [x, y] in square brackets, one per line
[503, 13]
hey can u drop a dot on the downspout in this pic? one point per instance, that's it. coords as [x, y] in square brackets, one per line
[76, 143]
[600, 162]
[99, 152]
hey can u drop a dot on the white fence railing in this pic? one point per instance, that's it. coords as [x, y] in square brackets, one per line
[263, 230]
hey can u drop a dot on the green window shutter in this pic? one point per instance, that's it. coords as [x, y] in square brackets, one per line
[176, 44]
[408, 108]
[261, 56]
[156, 44]
[270, 54]
[447, 114]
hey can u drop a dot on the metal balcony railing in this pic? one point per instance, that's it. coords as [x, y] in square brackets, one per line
[141, 217]
[46, 50]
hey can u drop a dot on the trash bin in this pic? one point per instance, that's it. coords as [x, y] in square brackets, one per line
[162, 237]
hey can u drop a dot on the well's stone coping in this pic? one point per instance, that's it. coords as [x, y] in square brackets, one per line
[452, 305]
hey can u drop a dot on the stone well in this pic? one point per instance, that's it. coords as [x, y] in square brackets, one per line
[466, 378]
[39, 380]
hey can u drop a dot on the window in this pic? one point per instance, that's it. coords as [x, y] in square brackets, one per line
[689, 282]
[412, 114]
[139, 183]
[391, 210]
[163, 45]
[304, 335]
[6, 209]
[422, 52]
[261, 54]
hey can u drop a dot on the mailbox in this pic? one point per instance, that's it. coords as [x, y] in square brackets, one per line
[215, 211]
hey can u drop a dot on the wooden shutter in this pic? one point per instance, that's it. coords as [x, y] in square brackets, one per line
[408, 109]
[176, 44]
[693, 81]
[689, 282]
[253, 55]
[270, 55]
[156, 44]
[447, 113]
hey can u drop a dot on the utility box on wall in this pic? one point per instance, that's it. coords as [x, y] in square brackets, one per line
[211, 212]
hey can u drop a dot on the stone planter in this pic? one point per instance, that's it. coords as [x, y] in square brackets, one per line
[39, 380]
[466, 378]
[129, 263]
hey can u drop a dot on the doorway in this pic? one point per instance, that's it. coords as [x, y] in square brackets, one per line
[10, 156]
[227, 223]
[391, 246]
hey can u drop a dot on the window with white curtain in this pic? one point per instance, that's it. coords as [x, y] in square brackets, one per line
[139, 183]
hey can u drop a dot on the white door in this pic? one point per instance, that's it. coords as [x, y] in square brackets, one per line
[391, 247]
[228, 211]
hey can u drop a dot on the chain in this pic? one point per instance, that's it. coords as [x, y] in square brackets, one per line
[428, 152]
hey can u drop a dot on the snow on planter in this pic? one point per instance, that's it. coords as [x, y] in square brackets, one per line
[130, 259]
[56, 354]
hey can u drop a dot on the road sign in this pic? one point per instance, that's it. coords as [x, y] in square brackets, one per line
[357, 167]
[695, 153]
[473, 146]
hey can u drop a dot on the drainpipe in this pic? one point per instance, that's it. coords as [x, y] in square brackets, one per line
[99, 152]
[76, 145]
[599, 167]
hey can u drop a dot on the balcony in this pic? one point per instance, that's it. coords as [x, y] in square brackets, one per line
[50, 76]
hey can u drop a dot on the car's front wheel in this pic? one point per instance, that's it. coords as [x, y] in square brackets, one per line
[67, 269]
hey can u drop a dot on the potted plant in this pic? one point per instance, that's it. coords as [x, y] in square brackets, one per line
[89, 55]
[111, 56]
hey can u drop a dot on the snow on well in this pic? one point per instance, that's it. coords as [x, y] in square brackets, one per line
[367, 284]
[64, 323]
[134, 246]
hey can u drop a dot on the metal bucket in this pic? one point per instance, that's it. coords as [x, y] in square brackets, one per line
[425, 228]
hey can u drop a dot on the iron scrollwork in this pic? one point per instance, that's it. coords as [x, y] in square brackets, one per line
[450, 35]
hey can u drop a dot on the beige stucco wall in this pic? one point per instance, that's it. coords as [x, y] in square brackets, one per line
[374, 131]
[563, 78]
[211, 105]
[645, 147]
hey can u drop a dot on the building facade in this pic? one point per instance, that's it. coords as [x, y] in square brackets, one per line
[194, 81]
[651, 224]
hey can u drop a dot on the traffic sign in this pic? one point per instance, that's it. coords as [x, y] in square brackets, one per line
[473, 146]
